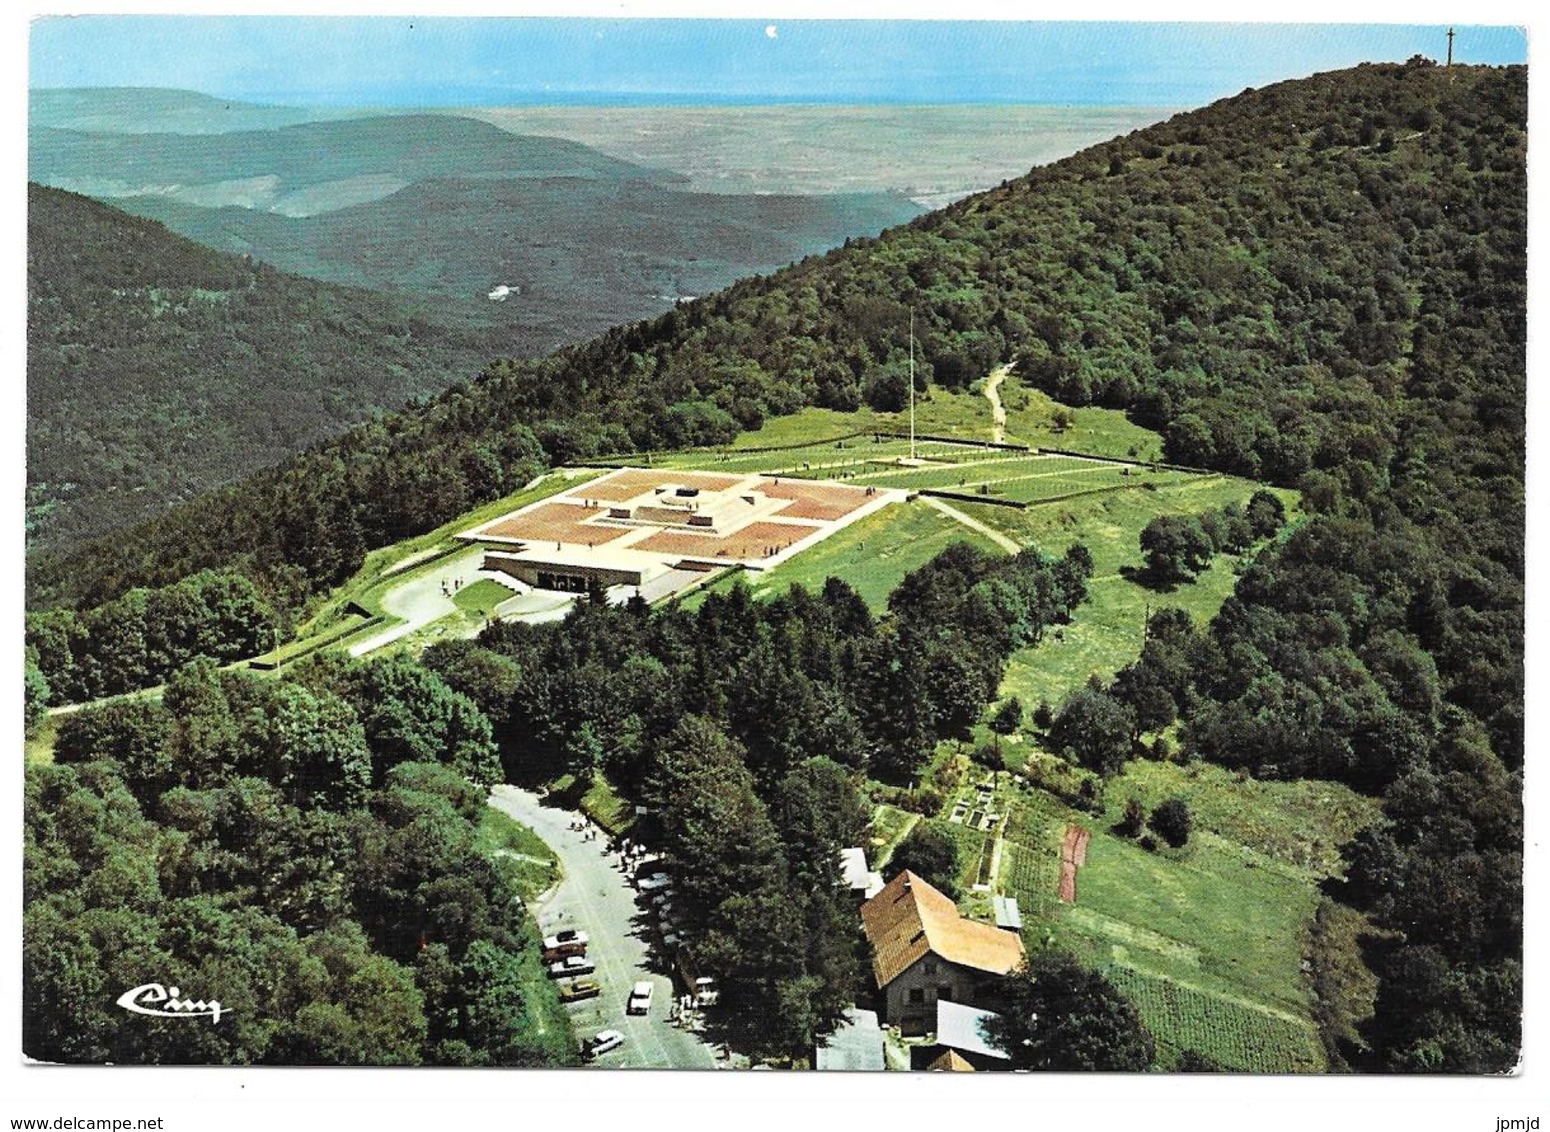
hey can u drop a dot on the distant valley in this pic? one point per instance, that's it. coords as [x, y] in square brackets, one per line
[483, 233]
[933, 154]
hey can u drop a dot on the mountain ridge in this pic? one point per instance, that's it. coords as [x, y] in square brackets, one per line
[158, 368]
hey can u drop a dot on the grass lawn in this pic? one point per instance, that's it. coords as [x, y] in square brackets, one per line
[1236, 1036]
[39, 746]
[873, 555]
[481, 597]
[392, 565]
[1017, 477]
[532, 864]
[1300, 825]
[599, 801]
[1209, 939]
[1105, 633]
[890, 825]
[533, 868]
[1103, 432]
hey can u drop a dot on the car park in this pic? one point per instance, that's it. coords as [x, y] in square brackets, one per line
[580, 990]
[640, 998]
[604, 1041]
[574, 965]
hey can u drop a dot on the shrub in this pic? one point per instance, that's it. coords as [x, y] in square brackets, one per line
[1134, 820]
[989, 755]
[1008, 718]
[1171, 821]
[931, 855]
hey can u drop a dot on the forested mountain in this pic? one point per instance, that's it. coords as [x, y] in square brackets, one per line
[1319, 284]
[452, 208]
[283, 163]
[580, 253]
[157, 369]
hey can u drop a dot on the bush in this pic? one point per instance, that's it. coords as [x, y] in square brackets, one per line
[1171, 820]
[989, 755]
[931, 855]
[1043, 715]
[925, 800]
[1096, 728]
[1134, 820]
[1008, 718]
[1176, 547]
[1090, 795]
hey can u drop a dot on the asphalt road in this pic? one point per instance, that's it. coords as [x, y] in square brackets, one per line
[422, 600]
[596, 897]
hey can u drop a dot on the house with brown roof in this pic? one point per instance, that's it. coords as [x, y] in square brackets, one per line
[925, 952]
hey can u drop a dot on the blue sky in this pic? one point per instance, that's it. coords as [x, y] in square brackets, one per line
[411, 61]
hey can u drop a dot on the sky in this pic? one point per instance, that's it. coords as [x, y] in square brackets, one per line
[409, 61]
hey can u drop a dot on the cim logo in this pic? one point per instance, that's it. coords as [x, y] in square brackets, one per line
[164, 1002]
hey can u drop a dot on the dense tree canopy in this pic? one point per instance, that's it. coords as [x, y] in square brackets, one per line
[1177, 548]
[931, 855]
[1058, 1016]
[247, 840]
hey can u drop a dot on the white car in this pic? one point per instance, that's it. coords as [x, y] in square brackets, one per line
[604, 1041]
[570, 937]
[640, 998]
[654, 883]
[575, 965]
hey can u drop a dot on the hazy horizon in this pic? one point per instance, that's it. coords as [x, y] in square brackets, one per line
[400, 62]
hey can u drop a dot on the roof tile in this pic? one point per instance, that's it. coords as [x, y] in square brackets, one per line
[908, 918]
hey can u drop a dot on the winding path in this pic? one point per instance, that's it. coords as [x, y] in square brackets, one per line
[972, 523]
[997, 409]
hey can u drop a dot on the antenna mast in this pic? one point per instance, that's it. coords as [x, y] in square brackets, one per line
[1450, 47]
[912, 383]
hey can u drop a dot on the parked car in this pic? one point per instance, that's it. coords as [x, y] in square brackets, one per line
[575, 965]
[656, 882]
[706, 993]
[570, 937]
[640, 998]
[564, 951]
[580, 990]
[600, 1043]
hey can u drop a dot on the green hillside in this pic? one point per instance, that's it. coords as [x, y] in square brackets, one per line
[157, 368]
[584, 253]
[1320, 285]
